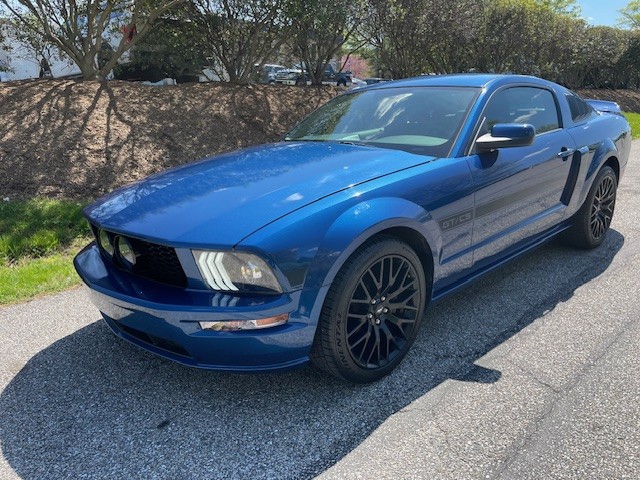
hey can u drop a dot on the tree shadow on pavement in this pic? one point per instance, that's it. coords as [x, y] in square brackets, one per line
[93, 406]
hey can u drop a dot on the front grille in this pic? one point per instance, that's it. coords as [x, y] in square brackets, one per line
[153, 261]
[158, 262]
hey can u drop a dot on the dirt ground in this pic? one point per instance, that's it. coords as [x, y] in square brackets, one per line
[79, 140]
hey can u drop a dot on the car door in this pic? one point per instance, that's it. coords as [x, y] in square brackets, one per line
[518, 189]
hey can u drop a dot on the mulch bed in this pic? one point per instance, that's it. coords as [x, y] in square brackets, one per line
[79, 140]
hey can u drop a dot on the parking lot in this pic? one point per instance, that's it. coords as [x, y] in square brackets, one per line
[530, 373]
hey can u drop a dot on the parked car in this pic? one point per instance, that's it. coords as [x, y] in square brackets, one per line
[291, 76]
[268, 73]
[296, 76]
[374, 80]
[328, 245]
[334, 77]
[356, 83]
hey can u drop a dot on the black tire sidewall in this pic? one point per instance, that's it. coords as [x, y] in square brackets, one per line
[335, 314]
[585, 218]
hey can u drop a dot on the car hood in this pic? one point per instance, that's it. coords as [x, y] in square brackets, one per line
[221, 200]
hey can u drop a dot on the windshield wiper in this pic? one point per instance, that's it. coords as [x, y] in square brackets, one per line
[288, 139]
[354, 142]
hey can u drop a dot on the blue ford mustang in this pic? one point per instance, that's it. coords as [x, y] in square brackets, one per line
[328, 245]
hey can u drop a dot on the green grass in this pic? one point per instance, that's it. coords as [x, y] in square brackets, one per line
[38, 276]
[38, 239]
[634, 121]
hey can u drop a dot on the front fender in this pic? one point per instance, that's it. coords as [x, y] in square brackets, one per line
[352, 229]
[310, 245]
[361, 222]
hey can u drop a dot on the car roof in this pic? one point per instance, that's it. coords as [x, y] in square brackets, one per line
[478, 80]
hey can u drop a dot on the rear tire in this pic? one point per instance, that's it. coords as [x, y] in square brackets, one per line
[372, 312]
[591, 223]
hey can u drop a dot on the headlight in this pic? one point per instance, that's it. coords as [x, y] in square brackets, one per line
[105, 242]
[126, 254]
[236, 272]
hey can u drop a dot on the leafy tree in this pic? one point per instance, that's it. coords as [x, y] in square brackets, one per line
[172, 48]
[452, 29]
[417, 36]
[538, 37]
[628, 66]
[605, 46]
[397, 31]
[521, 36]
[239, 34]
[321, 29]
[630, 15]
[80, 28]
[566, 7]
[562, 55]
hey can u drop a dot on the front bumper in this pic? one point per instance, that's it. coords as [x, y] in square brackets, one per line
[164, 320]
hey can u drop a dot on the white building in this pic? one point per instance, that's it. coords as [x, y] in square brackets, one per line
[21, 62]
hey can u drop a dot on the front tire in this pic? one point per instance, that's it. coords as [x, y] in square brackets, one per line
[591, 223]
[372, 312]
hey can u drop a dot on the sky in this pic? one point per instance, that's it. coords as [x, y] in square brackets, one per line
[602, 12]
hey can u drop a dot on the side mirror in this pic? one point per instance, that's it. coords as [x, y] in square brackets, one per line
[504, 135]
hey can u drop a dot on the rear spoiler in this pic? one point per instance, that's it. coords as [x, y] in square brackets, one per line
[605, 107]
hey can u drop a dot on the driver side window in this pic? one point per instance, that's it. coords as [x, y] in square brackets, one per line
[535, 106]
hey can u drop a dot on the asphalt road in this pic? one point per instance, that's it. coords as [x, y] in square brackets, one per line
[530, 373]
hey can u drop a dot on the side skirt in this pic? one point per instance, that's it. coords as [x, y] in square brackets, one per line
[520, 250]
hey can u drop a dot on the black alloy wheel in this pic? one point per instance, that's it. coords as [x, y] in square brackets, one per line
[372, 312]
[602, 207]
[383, 311]
[591, 223]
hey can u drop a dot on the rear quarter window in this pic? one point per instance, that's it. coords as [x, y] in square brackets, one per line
[580, 109]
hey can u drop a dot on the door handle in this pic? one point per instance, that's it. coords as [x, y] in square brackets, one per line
[566, 152]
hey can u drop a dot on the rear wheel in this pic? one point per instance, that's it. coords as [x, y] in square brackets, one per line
[372, 312]
[592, 221]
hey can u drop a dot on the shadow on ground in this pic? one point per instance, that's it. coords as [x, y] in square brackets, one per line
[93, 406]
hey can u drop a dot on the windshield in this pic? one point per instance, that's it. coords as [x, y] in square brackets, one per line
[422, 120]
